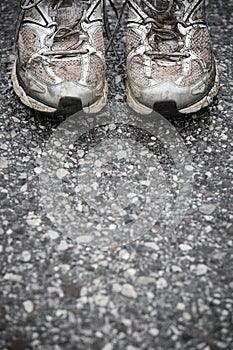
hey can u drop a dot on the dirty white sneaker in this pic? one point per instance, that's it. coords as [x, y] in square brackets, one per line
[60, 55]
[169, 57]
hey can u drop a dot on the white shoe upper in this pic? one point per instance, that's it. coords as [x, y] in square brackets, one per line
[61, 50]
[169, 55]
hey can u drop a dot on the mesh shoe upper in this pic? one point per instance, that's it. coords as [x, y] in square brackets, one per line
[61, 50]
[169, 54]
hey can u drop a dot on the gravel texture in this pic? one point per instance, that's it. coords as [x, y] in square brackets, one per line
[169, 289]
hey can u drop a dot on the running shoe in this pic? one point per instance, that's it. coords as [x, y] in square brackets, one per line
[60, 55]
[170, 64]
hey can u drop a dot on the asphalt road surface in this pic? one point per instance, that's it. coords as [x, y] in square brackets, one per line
[168, 287]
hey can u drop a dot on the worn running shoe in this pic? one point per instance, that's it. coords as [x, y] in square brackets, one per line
[169, 57]
[60, 55]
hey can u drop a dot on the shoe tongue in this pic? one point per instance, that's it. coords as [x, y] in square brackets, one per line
[67, 11]
[165, 17]
[160, 5]
[64, 3]
[70, 3]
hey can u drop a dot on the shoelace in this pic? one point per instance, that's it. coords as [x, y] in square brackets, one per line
[62, 32]
[28, 4]
[71, 29]
[67, 31]
[158, 32]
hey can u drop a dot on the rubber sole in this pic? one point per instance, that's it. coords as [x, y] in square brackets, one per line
[169, 107]
[66, 105]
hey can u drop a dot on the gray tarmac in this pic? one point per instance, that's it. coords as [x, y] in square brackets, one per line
[170, 285]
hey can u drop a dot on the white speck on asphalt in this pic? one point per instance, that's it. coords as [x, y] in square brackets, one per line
[154, 332]
[180, 306]
[26, 256]
[144, 280]
[201, 269]
[53, 234]
[152, 245]
[124, 254]
[12, 277]
[33, 221]
[38, 170]
[176, 268]
[63, 246]
[127, 322]
[61, 173]
[161, 283]
[118, 79]
[3, 163]
[128, 291]
[185, 247]
[108, 346]
[187, 316]
[28, 306]
[101, 300]
[121, 154]
[116, 287]
[207, 209]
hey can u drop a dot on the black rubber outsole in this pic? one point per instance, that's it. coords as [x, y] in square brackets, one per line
[167, 108]
[68, 106]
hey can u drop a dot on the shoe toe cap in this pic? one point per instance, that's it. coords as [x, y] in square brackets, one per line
[51, 95]
[183, 96]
